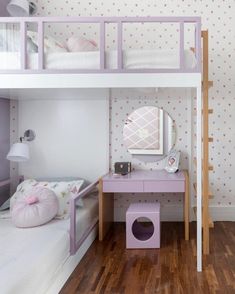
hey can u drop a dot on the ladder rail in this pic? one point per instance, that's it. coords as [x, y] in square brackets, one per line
[206, 140]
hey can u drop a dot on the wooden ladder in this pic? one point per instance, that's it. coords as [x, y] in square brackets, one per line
[207, 222]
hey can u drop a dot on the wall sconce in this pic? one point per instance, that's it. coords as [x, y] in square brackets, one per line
[21, 8]
[19, 152]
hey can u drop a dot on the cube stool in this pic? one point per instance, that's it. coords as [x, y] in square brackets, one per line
[139, 235]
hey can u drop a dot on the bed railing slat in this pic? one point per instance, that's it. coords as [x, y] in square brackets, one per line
[102, 45]
[181, 46]
[198, 46]
[40, 45]
[23, 47]
[120, 40]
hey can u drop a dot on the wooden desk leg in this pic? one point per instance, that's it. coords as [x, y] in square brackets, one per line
[106, 207]
[186, 207]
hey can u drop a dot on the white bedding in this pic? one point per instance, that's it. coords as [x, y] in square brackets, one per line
[30, 258]
[132, 59]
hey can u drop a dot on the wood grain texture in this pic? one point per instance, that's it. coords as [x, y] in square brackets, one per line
[186, 206]
[205, 165]
[108, 267]
[106, 211]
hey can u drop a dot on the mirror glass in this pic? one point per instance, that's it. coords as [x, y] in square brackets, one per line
[149, 130]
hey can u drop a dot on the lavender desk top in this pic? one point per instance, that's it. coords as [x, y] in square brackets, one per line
[141, 181]
[146, 175]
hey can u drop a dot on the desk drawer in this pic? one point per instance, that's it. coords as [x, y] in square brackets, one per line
[123, 187]
[164, 186]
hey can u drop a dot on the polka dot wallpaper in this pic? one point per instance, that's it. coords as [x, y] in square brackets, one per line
[217, 17]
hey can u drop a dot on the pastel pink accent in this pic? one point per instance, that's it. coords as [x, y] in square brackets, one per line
[75, 44]
[36, 210]
[31, 200]
[93, 42]
[74, 190]
[137, 235]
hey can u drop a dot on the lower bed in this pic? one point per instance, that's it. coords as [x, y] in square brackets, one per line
[132, 59]
[33, 257]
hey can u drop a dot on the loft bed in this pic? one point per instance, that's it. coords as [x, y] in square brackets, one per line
[177, 74]
[101, 74]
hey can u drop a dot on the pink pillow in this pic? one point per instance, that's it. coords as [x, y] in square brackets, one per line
[37, 207]
[75, 44]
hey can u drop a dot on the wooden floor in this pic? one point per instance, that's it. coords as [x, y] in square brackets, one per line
[110, 268]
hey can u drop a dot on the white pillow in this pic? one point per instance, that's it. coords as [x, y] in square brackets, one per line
[76, 44]
[63, 191]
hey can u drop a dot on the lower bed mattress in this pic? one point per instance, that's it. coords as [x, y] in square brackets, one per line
[30, 258]
[132, 59]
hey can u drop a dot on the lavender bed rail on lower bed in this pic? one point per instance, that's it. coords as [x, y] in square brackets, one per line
[102, 21]
[4, 183]
[74, 244]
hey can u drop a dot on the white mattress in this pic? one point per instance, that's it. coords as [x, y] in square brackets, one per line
[132, 59]
[30, 258]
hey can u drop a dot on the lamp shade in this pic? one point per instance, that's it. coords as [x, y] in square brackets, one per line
[18, 8]
[19, 152]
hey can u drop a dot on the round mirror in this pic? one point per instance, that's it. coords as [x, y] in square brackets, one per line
[149, 130]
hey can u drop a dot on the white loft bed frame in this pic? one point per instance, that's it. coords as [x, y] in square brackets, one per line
[120, 78]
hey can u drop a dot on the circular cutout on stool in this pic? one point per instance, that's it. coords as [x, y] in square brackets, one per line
[142, 228]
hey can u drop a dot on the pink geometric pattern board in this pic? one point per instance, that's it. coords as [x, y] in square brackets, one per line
[217, 17]
[143, 130]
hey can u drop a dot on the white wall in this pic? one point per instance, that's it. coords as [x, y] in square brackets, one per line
[71, 135]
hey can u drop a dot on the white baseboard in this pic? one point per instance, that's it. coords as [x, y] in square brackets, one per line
[174, 213]
[222, 213]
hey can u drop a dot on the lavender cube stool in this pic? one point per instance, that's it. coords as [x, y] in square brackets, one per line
[139, 235]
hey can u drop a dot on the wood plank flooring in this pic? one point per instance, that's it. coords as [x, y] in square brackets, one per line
[108, 267]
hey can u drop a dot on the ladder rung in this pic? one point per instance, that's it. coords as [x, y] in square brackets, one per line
[210, 84]
[210, 221]
[209, 194]
[210, 166]
[210, 111]
[210, 139]
[204, 33]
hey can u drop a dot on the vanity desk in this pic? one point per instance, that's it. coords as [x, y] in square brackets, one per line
[140, 181]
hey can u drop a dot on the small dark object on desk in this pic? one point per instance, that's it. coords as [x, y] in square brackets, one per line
[122, 168]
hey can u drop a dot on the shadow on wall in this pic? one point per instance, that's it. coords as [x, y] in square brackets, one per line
[3, 5]
[4, 146]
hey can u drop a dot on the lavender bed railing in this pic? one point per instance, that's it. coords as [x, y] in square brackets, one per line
[102, 21]
[74, 243]
[4, 183]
